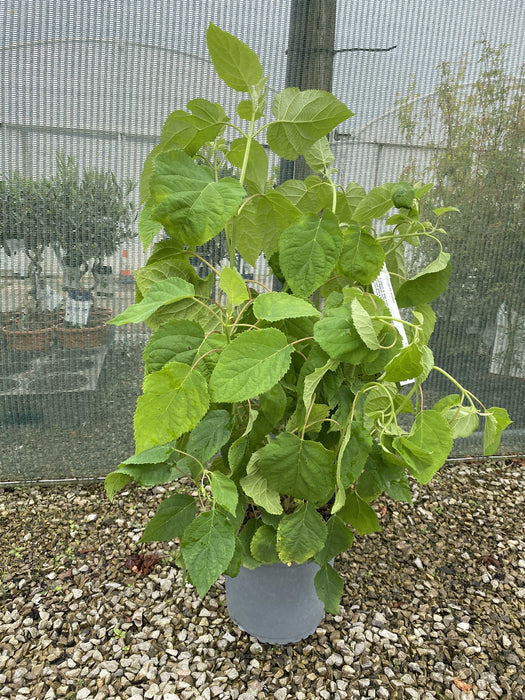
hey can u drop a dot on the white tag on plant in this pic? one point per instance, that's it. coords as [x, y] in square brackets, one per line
[382, 287]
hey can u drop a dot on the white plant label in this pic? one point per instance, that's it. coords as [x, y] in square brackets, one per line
[382, 287]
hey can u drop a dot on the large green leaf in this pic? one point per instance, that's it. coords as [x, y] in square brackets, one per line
[260, 223]
[427, 285]
[407, 364]
[173, 515]
[159, 294]
[329, 587]
[495, 423]
[339, 539]
[257, 165]
[250, 365]
[301, 534]
[190, 205]
[427, 446]
[309, 196]
[234, 62]
[302, 119]
[256, 487]
[168, 267]
[207, 545]
[362, 256]
[299, 468]
[338, 337]
[175, 399]
[373, 205]
[174, 341]
[275, 306]
[359, 514]
[308, 251]
[264, 545]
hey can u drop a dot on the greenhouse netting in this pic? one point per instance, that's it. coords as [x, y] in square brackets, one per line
[438, 95]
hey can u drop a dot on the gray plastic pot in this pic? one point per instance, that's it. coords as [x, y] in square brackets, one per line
[275, 603]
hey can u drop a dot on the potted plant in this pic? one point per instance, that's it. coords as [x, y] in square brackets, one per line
[23, 226]
[91, 216]
[281, 416]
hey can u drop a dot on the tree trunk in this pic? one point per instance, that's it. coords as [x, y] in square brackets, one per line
[310, 59]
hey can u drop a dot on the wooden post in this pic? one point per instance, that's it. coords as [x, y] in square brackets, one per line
[310, 58]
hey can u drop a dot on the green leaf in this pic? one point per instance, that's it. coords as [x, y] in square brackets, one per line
[309, 196]
[354, 454]
[216, 342]
[191, 206]
[173, 516]
[257, 166]
[427, 285]
[338, 337]
[153, 455]
[224, 491]
[234, 62]
[274, 306]
[250, 365]
[495, 423]
[362, 256]
[207, 438]
[263, 546]
[159, 294]
[427, 446]
[245, 538]
[238, 454]
[166, 268]
[148, 228]
[308, 251]
[260, 223]
[299, 468]
[443, 210]
[339, 539]
[174, 341]
[114, 482]
[147, 171]
[373, 205]
[348, 200]
[208, 544]
[302, 119]
[301, 534]
[319, 156]
[426, 318]
[208, 120]
[463, 420]
[256, 487]
[359, 514]
[175, 399]
[405, 365]
[272, 405]
[233, 285]
[329, 587]
[364, 326]
[147, 475]
[312, 380]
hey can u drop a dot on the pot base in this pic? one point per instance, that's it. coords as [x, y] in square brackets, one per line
[275, 603]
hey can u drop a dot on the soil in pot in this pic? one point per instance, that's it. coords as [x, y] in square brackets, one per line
[275, 603]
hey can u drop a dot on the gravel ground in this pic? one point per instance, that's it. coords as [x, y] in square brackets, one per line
[434, 605]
